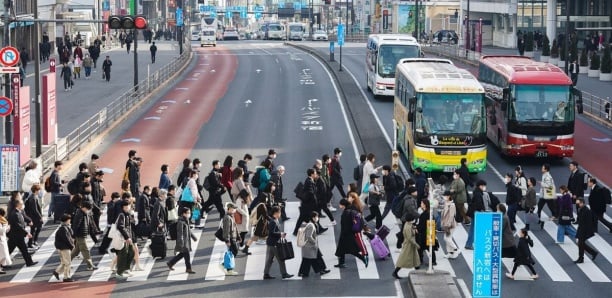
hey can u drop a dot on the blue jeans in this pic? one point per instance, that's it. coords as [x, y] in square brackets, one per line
[438, 219]
[470, 240]
[512, 209]
[52, 204]
[563, 230]
[87, 71]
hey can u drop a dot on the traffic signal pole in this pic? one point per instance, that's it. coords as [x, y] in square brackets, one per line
[8, 120]
[179, 29]
[135, 33]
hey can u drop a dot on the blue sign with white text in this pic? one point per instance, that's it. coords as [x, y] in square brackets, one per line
[179, 17]
[487, 254]
[340, 34]
[258, 11]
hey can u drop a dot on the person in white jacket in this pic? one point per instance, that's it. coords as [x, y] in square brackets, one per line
[242, 217]
[32, 176]
[368, 169]
[547, 194]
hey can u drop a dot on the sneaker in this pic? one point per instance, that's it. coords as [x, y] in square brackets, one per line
[137, 268]
[509, 275]
[170, 266]
[189, 271]
[324, 271]
[268, 276]
[535, 276]
[557, 242]
[332, 209]
[286, 276]
[92, 268]
[333, 223]
[231, 273]
[56, 275]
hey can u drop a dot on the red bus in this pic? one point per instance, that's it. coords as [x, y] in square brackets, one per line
[530, 106]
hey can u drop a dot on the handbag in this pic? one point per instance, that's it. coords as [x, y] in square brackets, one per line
[228, 260]
[531, 218]
[173, 214]
[238, 218]
[187, 196]
[195, 214]
[117, 242]
[366, 188]
[219, 232]
[143, 229]
[285, 250]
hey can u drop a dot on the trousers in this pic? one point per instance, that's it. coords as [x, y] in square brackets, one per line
[182, 255]
[80, 246]
[271, 254]
[64, 266]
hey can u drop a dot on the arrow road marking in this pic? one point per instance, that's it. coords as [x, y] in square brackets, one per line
[187, 101]
[247, 102]
[169, 101]
[258, 70]
[135, 140]
[152, 118]
[603, 140]
[181, 88]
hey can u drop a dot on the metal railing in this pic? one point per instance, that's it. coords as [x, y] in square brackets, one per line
[593, 105]
[113, 112]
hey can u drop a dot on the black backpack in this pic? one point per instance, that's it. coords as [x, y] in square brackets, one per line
[397, 206]
[206, 183]
[255, 181]
[73, 187]
[399, 183]
[299, 190]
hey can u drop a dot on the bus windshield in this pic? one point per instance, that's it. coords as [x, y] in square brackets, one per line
[450, 113]
[537, 103]
[389, 55]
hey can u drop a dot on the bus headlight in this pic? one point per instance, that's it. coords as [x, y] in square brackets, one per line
[422, 161]
[380, 87]
[477, 162]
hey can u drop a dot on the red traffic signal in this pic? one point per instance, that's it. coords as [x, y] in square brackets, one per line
[127, 22]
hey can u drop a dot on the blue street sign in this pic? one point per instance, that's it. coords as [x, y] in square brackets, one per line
[179, 17]
[258, 10]
[297, 5]
[341, 34]
[487, 254]
[243, 14]
[331, 47]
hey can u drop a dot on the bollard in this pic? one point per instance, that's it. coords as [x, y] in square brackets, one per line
[331, 51]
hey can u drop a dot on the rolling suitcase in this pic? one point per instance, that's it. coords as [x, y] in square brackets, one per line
[158, 245]
[61, 204]
[383, 232]
[379, 248]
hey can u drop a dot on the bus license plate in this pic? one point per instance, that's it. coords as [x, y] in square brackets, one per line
[449, 169]
[541, 154]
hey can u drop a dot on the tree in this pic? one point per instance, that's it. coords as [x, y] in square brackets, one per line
[545, 46]
[554, 50]
[529, 42]
[606, 61]
[594, 62]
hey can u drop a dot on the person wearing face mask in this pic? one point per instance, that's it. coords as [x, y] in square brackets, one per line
[215, 190]
[513, 198]
[482, 201]
[459, 194]
[230, 231]
[311, 254]
[82, 226]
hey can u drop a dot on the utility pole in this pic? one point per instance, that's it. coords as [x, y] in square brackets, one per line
[38, 109]
[567, 37]
[8, 120]
[135, 33]
[179, 29]
[416, 19]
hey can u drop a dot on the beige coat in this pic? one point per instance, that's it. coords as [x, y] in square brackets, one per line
[409, 255]
[311, 248]
[448, 217]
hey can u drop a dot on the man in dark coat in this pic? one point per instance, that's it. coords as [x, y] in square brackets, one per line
[482, 201]
[18, 232]
[575, 182]
[216, 190]
[33, 210]
[586, 230]
[336, 173]
[97, 196]
[94, 53]
[597, 201]
[309, 201]
[153, 50]
[277, 178]
[106, 68]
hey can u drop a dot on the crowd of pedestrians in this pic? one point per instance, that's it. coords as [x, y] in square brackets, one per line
[251, 207]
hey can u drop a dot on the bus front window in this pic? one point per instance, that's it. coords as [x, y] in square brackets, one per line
[537, 103]
[456, 113]
[389, 55]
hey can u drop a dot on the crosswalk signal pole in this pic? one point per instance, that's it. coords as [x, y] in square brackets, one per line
[8, 119]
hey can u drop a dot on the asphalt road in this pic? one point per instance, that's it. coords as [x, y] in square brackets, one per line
[353, 60]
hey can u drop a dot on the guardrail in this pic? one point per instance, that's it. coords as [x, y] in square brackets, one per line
[113, 112]
[593, 105]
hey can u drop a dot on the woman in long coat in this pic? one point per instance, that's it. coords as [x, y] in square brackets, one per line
[311, 255]
[409, 255]
[347, 243]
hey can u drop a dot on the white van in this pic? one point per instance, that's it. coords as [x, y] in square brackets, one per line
[208, 37]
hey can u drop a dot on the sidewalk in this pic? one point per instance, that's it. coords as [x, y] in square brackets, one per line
[88, 97]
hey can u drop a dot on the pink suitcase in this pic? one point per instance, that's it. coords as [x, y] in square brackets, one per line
[379, 248]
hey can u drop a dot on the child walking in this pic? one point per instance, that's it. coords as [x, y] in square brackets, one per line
[523, 255]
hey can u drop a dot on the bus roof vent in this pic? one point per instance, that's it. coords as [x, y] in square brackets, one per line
[454, 75]
[427, 76]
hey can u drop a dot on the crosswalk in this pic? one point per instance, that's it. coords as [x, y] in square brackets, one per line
[553, 260]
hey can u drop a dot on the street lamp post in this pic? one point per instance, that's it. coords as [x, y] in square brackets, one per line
[468, 43]
[567, 37]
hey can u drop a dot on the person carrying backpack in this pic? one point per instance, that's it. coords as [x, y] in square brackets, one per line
[393, 185]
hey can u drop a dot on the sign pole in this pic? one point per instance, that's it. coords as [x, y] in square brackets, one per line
[8, 120]
[37, 107]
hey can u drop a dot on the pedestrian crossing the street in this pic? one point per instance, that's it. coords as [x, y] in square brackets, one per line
[552, 260]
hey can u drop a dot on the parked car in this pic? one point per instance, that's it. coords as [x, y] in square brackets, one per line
[231, 34]
[319, 35]
[195, 35]
[445, 36]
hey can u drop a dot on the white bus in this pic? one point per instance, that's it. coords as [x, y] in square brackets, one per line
[296, 31]
[383, 53]
[208, 32]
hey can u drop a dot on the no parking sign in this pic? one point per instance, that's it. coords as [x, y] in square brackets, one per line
[6, 106]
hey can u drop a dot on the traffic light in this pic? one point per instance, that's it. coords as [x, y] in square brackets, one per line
[127, 22]
[395, 158]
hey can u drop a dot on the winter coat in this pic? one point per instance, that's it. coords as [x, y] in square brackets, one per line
[278, 186]
[523, 254]
[309, 202]
[311, 248]
[507, 234]
[547, 191]
[183, 236]
[33, 209]
[226, 177]
[242, 209]
[530, 199]
[368, 169]
[448, 216]
[457, 189]
[159, 215]
[5, 256]
[576, 185]
[597, 199]
[63, 238]
[164, 181]
[124, 225]
[586, 224]
[409, 255]
[346, 241]
[237, 186]
[410, 212]
[18, 225]
[30, 178]
[230, 231]
[87, 62]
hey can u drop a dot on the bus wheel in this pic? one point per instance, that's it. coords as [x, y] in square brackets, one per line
[368, 83]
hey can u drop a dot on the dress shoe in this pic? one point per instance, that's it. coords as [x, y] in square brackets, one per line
[32, 264]
[56, 275]
[579, 261]
[394, 274]
[594, 256]
[366, 260]
[2, 272]
[324, 271]
[302, 275]
[469, 248]
[322, 230]
[286, 218]
[285, 276]
[340, 265]
[68, 279]
[541, 224]
[189, 271]
[170, 266]
[268, 276]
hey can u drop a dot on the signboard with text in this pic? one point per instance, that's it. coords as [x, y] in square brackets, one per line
[49, 106]
[340, 34]
[487, 255]
[9, 168]
[21, 127]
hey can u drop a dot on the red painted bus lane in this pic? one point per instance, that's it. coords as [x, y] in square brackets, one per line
[592, 151]
[182, 112]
